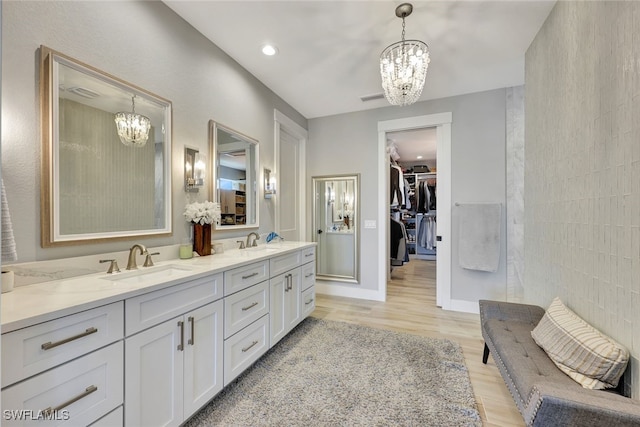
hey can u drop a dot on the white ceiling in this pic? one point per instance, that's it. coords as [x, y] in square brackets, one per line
[410, 144]
[329, 50]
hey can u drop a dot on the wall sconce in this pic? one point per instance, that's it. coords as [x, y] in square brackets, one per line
[194, 169]
[269, 184]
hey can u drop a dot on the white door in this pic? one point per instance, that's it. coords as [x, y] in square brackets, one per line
[203, 350]
[154, 377]
[290, 213]
[289, 164]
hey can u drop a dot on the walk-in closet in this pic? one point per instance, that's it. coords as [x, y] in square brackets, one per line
[413, 179]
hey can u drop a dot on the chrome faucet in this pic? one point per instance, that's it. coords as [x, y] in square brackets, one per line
[257, 237]
[131, 264]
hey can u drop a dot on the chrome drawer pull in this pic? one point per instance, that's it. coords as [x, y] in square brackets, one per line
[309, 302]
[251, 275]
[181, 345]
[192, 340]
[85, 393]
[309, 254]
[308, 275]
[49, 345]
[244, 350]
[250, 306]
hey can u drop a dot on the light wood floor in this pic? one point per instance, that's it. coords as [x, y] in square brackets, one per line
[411, 307]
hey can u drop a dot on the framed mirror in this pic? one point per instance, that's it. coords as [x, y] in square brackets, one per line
[106, 155]
[335, 221]
[234, 167]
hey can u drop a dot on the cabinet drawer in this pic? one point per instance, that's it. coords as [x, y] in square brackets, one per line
[242, 277]
[308, 302]
[148, 310]
[284, 263]
[32, 350]
[308, 275]
[79, 392]
[113, 419]
[245, 347]
[244, 307]
[308, 254]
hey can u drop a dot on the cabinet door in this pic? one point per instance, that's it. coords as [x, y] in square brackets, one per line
[294, 312]
[202, 356]
[277, 316]
[154, 376]
[284, 310]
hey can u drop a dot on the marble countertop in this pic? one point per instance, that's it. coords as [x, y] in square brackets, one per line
[31, 304]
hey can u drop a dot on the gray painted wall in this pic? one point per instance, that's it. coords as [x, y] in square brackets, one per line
[348, 143]
[149, 46]
[582, 167]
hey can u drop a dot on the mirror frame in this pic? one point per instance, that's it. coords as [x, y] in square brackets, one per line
[355, 279]
[50, 233]
[214, 191]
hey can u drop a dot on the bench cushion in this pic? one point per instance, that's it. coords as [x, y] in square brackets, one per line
[578, 349]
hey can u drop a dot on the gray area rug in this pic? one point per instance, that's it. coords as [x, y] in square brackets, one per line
[327, 373]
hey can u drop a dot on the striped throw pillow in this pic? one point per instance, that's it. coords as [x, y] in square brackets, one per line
[578, 349]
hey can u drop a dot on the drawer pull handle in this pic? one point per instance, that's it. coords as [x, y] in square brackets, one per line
[308, 255]
[63, 405]
[244, 350]
[251, 275]
[192, 340]
[181, 345]
[49, 345]
[308, 275]
[249, 307]
[309, 302]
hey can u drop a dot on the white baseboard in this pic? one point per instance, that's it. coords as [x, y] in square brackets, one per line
[339, 290]
[464, 306]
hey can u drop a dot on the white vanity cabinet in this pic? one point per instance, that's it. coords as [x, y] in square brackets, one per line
[246, 311]
[67, 371]
[291, 274]
[174, 367]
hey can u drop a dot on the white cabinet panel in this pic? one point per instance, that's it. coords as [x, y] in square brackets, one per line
[78, 392]
[285, 304]
[283, 263]
[244, 348]
[153, 368]
[308, 302]
[31, 350]
[155, 307]
[241, 278]
[203, 352]
[244, 307]
[308, 275]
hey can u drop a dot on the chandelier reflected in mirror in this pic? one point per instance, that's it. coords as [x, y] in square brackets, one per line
[133, 129]
[403, 66]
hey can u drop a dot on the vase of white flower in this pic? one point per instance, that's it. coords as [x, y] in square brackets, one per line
[202, 238]
[202, 215]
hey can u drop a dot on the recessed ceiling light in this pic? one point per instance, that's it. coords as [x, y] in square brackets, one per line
[269, 50]
[419, 157]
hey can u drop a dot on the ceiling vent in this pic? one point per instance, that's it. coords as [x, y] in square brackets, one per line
[372, 97]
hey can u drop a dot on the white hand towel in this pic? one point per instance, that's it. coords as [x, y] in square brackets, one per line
[8, 242]
[479, 240]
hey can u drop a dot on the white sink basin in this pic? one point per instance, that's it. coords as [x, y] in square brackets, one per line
[145, 274]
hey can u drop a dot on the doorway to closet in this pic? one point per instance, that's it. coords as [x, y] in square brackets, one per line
[442, 124]
[413, 182]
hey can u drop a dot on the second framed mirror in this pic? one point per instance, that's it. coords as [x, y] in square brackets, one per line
[234, 167]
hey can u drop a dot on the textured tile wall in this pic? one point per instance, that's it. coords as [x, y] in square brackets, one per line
[515, 193]
[582, 167]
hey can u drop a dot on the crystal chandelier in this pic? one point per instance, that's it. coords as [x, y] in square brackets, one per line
[403, 66]
[133, 129]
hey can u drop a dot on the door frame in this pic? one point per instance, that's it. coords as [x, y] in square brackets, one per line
[281, 121]
[442, 123]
